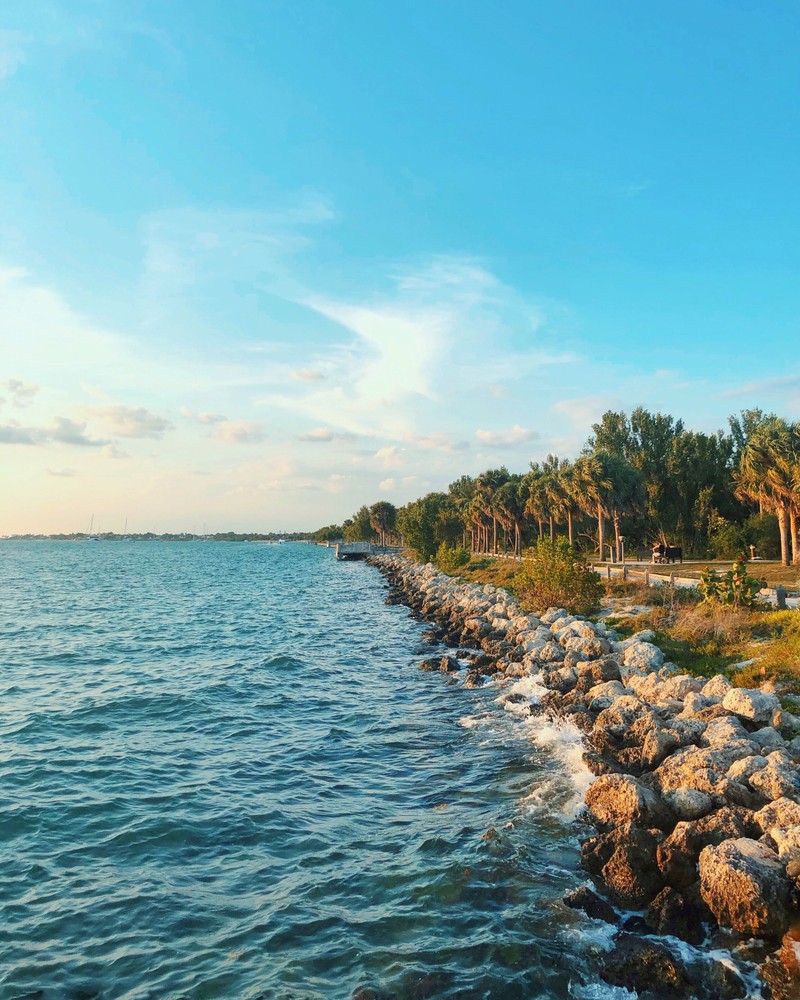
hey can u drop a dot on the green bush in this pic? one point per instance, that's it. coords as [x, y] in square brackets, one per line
[451, 558]
[735, 589]
[553, 574]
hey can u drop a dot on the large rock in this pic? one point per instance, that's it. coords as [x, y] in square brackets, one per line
[746, 887]
[781, 812]
[614, 799]
[757, 706]
[678, 914]
[677, 856]
[643, 656]
[645, 966]
[625, 859]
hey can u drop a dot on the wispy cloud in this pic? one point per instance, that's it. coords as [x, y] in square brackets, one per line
[12, 433]
[62, 473]
[202, 417]
[779, 384]
[583, 411]
[303, 375]
[506, 438]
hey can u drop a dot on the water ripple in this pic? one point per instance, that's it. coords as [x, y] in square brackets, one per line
[222, 775]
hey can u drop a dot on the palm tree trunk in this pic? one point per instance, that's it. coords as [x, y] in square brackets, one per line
[600, 531]
[793, 515]
[541, 528]
[783, 524]
[552, 529]
[494, 536]
[569, 526]
[617, 551]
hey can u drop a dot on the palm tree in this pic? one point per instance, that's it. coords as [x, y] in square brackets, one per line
[591, 485]
[769, 474]
[509, 505]
[486, 486]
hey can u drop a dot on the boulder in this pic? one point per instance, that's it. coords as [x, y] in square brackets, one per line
[782, 970]
[678, 914]
[592, 905]
[787, 840]
[746, 887]
[614, 799]
[677, 856]
[642, 965]
[716, 688]
[757, 706]
[781, 812]
[449, 664]
[643, 656]
[776, 781]
[689, 803]
[625, 859]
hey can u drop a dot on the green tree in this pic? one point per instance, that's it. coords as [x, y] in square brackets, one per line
[382, 519]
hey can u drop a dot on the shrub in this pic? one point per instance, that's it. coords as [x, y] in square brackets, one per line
[735, 589]
[451, 558]
[727, 541]
[553, 574]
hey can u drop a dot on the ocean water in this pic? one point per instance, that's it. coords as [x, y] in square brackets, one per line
[223, 775]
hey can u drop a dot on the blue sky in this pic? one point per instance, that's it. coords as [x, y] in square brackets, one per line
[261, 262]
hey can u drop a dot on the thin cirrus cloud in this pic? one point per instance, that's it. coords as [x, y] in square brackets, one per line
[506, 438]
[304, 375]
[203, 417]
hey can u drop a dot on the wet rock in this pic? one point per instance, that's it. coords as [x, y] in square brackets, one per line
[564, 679]
[618, 718]
[678, 914]
[721, 982]
[449, 665]
[782, 970]
[604, 694]
[757, 706]
[591, 904]
[746, 887]
[431, 663]
[624, 859]
[619, 798]
[648, 968]
[474, 679]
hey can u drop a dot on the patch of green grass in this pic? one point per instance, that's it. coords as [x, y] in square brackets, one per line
[703, 660]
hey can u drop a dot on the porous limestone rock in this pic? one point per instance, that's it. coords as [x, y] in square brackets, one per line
[746, 887]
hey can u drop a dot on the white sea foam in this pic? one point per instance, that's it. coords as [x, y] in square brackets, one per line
[561, 737]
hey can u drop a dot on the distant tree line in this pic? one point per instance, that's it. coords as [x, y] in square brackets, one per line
[640, 479]
[182, 536]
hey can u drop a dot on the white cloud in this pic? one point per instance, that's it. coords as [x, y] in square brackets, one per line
[22, 393]
[203, 417]
[239, 432]
[504, 438]
[389, 457]
[307, 376]
[390, 485]
[133, 422]
[13, 433]
[66, 431]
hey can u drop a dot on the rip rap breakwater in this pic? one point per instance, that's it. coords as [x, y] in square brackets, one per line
[696, 801]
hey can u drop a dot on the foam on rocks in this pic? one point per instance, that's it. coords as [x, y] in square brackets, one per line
[696, 801]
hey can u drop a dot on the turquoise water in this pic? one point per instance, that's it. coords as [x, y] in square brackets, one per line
[223, 775]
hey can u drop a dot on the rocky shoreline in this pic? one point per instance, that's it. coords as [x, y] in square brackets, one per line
[693, 819]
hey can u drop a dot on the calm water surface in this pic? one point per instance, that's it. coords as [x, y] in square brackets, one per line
[223, 775]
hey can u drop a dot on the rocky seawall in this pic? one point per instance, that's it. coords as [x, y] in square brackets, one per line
[692, 823]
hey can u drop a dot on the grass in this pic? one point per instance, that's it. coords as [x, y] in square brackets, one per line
[701, 638]
[772, 573]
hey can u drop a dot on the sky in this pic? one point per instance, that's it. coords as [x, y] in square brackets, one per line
[264, 261]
